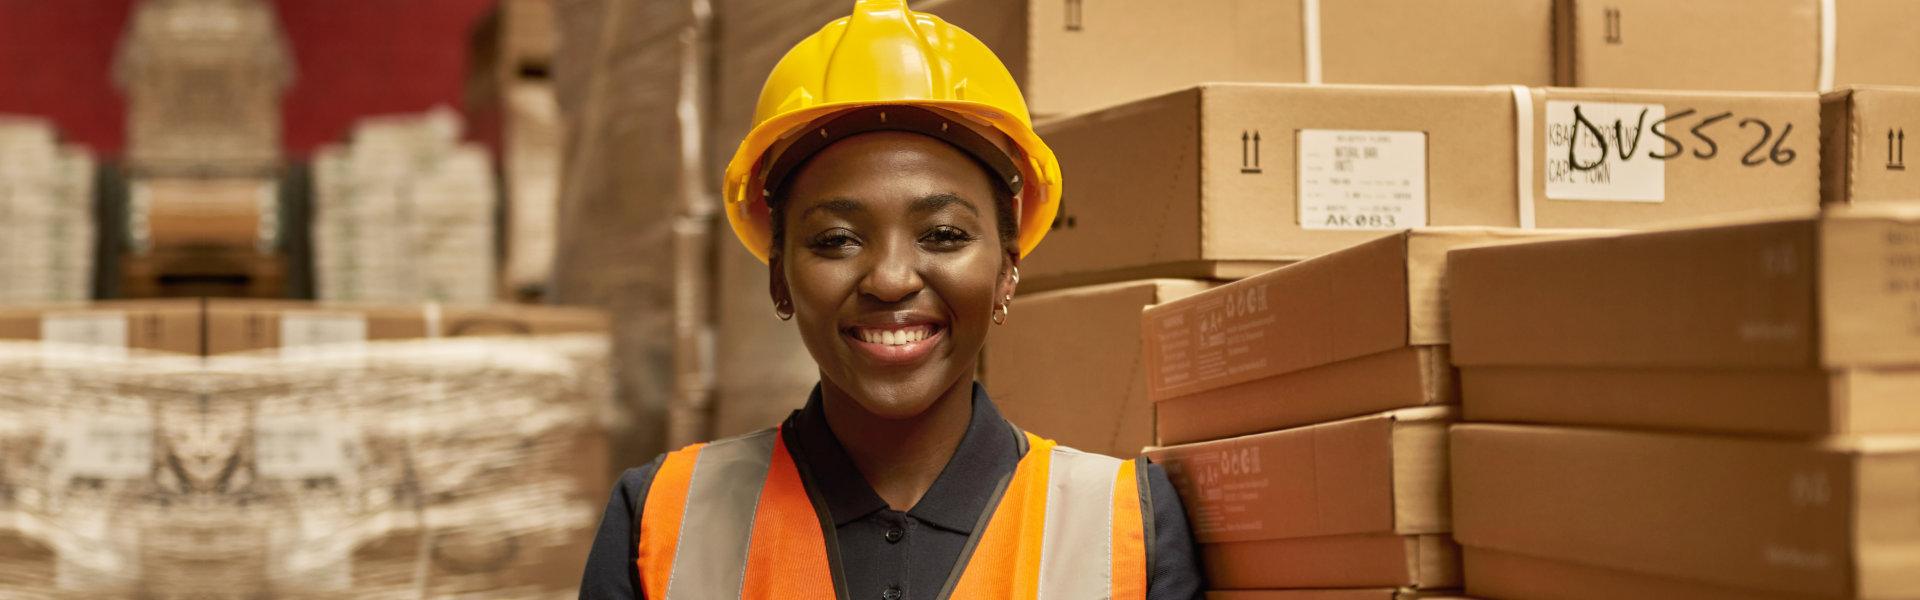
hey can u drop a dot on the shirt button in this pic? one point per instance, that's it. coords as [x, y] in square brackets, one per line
[894, 534]
[892, 593]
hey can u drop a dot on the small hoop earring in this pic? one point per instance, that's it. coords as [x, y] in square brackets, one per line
[783, 311]
[1016, 275]
[1000, 314]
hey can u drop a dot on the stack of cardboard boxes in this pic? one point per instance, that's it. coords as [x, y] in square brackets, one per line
[404, 213]
[1305, 414]
[1222, 181]
[46, 215]
[1720, 412]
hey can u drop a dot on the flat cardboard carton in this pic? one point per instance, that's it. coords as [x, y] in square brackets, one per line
[1863, 139]
[167, 325]
[1735, 44]
[1335, 594]
[1406, 377]
[1364, 488]
[1094, 54]
[1221, 176]
[1357, 331]
[1824, 518]
[242, 325]
[1495, 574]
[1067, 366]
[1370, 560]
[1798, 327]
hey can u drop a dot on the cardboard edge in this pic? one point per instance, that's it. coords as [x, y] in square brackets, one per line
[1439, 387]
[1838, 134]
[1422, 496]
[1565, 45]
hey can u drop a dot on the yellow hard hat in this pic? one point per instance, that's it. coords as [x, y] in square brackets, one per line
[886, 67]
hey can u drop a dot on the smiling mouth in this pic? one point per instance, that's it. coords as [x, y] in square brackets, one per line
[898, 345]
[899, 336]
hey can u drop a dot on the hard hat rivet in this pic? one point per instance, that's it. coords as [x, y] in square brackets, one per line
[943, 128]
[883, 117]
[823, 133]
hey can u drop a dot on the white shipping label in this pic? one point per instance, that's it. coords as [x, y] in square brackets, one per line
[1599, 151]
[1362, 180]
[89, 328]
[107, 447]
[302, 447]
[314, 328]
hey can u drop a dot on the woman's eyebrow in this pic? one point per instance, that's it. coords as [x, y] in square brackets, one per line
[838, 206]
[927, 204]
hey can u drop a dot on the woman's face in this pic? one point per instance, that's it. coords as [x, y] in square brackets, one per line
[893, 265]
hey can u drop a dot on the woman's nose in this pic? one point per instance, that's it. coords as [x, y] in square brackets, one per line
[895, 273]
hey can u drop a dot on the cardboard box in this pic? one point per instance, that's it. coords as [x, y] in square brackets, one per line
[1495, 574]
[1370, 560]
[1863, 140]
[1333, 594]
[1067, 365]
[1354, 332]
[168, 325]
[1364, 489]
[1094, 54]
[1736, 44]
[1199, 181]
[1830, 518]
[1797, 327]
[242, 325]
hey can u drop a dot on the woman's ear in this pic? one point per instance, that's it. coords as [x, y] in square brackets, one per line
[1010, 276]
[777, 288]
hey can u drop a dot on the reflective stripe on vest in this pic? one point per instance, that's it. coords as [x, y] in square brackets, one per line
[733, 520]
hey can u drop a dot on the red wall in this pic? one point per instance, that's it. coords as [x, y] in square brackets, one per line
[353, 58]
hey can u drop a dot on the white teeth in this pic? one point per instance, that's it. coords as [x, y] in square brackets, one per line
[896, 337]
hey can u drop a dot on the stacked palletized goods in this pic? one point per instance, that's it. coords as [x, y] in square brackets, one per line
[403, 213]
[46, 215]
[316, 455]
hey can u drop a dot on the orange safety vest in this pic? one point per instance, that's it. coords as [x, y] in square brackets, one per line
[1068, 525]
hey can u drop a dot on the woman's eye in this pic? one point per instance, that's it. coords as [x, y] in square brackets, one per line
[833, 239]
[946, 236]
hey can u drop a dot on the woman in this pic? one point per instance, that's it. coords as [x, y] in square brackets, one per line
[892, 182]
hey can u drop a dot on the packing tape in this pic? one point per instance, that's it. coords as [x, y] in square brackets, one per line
[1828, 35]
[1310, 34]
[1523, 151]
[431, 314]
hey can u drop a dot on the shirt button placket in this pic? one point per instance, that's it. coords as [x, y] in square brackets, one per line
[894, 534]
[892, 593]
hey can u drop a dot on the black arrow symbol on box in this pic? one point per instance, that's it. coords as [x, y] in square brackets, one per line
[1249, 151]
[1896, 154]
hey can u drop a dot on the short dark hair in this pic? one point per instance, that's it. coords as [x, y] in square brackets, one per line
[1005, 217]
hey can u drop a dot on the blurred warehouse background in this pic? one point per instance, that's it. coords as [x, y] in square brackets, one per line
[375, 298]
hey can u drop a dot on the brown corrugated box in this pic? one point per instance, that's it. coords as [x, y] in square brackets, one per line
[1333, 594]
[1081, 55]
[1363, 501]
[1801, 519]
[1357, 331]
[1068, 366]
[168, 325]
[1863, 138]
[1734, 44]
[1801, 327]
[1206, 182]
[241, 325]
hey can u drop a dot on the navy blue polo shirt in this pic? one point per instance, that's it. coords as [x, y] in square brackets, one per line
[887, 554]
